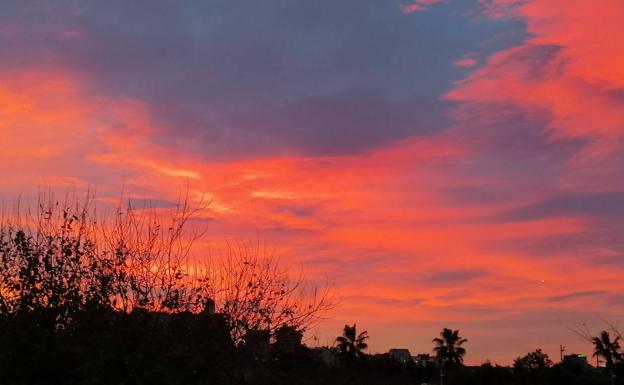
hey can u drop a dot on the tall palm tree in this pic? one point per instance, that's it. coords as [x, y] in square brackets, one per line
[448, 349]
[607, 349]
[351, 344]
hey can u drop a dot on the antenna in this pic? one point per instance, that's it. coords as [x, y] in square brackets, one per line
[562, 349]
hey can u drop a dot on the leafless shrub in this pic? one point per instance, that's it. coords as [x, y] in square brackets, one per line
[64, 256]
[255, 292]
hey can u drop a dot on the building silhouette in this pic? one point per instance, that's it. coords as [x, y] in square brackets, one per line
[400, 355]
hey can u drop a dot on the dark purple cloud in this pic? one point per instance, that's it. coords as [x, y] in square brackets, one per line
[575, 295]
[604, 204]
[231, 78]
[454, 276]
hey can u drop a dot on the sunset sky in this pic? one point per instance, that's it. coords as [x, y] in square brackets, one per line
[443, 163]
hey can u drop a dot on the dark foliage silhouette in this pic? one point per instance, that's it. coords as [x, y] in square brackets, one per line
[83, 300]
[609, 350]
[351, 344]
[254, 292]
[449, 351]
[533, 361]
[448, 348]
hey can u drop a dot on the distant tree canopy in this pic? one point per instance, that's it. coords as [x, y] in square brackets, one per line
[533, 361]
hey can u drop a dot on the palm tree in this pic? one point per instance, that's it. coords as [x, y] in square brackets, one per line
[351, 344]
[607, 349]
[448, 349]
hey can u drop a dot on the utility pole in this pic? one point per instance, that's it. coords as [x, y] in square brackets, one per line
[441, 362]
[561, 350]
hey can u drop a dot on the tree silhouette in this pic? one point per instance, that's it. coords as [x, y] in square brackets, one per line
[63, 257]
[111, 299]
[448, 348]
[255, 292]
[607, 349]
[351, 344]
[533, 361]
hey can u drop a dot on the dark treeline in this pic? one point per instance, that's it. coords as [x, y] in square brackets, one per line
[83, 301]
[142, 347]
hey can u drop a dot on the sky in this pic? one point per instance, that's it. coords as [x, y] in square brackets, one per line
[441, 163]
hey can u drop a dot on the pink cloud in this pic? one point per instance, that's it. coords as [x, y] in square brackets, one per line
[501, 9]
[571, 67]
[418, 5]
[466, 62]
[70, 34]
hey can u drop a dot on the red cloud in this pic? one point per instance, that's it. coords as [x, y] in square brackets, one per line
[571, 67]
